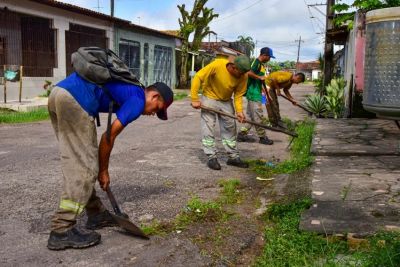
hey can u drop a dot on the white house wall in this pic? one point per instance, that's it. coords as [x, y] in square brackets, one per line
[152, 40]
[33, 86]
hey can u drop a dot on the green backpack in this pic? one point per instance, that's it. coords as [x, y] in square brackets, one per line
[99, 66]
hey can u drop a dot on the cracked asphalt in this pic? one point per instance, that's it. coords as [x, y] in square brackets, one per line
[155, 167]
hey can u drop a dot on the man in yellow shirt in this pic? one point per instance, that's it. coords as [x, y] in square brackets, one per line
[275, 82]
[220, 80]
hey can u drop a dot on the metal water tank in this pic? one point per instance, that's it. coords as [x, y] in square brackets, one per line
[382, 63]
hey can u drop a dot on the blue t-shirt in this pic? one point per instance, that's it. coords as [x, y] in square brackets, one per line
[130, 98]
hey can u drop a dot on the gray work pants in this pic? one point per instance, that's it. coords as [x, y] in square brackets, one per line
[227, 128]
[76, 134]
[255, 113]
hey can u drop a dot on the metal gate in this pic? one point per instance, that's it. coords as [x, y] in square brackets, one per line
[163, 64]
[79, 36]
[28, 41]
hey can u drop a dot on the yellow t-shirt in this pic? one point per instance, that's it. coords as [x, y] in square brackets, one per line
[217, 83]
[283, 78]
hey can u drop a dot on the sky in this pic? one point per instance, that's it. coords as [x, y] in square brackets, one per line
[273, 23]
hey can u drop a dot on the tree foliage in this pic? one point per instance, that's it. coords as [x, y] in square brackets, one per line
[247, 43]
[344, 17]
[195, 22]
[276, 66]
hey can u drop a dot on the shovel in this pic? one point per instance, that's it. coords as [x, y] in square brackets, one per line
[121, 219]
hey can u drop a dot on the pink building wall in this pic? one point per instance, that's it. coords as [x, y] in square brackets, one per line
[359, 52]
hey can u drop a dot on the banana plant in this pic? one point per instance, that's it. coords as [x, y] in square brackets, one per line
[335, 97]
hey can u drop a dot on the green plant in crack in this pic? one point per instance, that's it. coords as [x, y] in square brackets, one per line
[230, 193]
[345, 191]
[300, 155]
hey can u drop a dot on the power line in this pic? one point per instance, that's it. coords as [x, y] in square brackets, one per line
[234, 14]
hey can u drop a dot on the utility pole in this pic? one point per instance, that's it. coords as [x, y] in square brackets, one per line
[298, 52]
[112, 8]
[328, 51]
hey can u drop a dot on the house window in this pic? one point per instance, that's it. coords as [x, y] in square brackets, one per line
[129, 52]
[78, 36]
[163, 64]
[28, 41]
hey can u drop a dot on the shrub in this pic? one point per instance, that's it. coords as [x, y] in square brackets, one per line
[335, 97]
[316, 104]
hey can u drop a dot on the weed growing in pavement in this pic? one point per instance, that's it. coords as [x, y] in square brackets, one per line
[198, 210]
[300, 155]
[10, 116]
[230, 193]
[288, 246]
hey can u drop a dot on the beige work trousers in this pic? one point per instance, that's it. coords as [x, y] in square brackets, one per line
[76, 134]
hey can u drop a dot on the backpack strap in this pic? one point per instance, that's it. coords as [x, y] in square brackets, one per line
[110, 111]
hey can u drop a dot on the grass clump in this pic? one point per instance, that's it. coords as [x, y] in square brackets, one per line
[230, 193]
[300, 155]
[10, 116]
[179, 96]
[288, 246]
[197, 210]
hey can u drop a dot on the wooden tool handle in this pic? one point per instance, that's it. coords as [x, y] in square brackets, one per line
[251, 122]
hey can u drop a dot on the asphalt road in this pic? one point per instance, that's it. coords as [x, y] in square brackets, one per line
[155, 168]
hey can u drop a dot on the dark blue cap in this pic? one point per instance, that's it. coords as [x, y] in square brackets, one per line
[266, 51]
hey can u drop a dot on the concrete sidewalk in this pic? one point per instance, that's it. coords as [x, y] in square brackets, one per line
[26, 104]
[356, 177]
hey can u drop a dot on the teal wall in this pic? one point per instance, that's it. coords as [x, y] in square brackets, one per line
[152, 40]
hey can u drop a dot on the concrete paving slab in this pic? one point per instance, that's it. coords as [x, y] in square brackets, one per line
[356, 183]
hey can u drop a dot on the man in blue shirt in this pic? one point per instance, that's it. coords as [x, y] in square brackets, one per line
[73, 105]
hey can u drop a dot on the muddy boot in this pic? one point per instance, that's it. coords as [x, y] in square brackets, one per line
[265, 141]
[243, 137]
[213, 164]
[237, 162]
[72, 238]
[100, 220]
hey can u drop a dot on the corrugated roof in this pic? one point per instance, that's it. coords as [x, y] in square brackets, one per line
[91, 13]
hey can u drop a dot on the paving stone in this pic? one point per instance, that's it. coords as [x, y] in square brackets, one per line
[355, 187]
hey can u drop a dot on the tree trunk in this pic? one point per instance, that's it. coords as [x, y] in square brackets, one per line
[183, 77]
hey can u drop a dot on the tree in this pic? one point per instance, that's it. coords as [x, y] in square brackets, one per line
[195, 22]
[343, 17]
[248, 44]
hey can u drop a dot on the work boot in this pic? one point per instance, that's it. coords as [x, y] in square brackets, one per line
[100, 220]
[237, 162]
[213, 164]
[243, 137]
[265, 141]
[72, 238]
